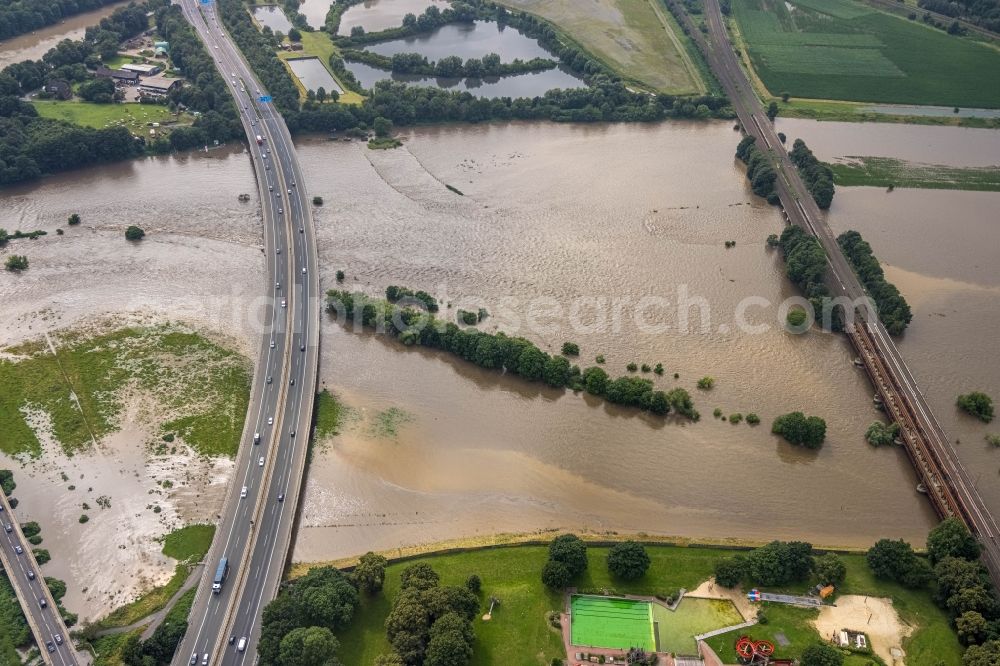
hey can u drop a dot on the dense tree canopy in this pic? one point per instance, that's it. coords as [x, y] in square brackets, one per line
[628, 560]
[893, 310]
[895, 560]
[977, 404]
[817, 176]
[779, 563]
[369, 574]
[821, 654]
[20, 16]
[951, 538]
[797, 428]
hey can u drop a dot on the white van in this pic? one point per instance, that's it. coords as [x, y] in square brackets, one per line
[243, 492]
[242, 645]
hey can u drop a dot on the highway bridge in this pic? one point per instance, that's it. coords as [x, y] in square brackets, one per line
[33, 594]
[949, 486]
[255, 527]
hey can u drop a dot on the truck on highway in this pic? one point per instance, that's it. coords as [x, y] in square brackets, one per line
[220, 575]
[260, 140]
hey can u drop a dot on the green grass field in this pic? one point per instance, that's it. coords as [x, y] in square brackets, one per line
[319, 44]
[519, 633]
[844, 50]
[133, 116]
[677, 629]
[886, 171]
[630, 36]
[611, 623]
[203, 388]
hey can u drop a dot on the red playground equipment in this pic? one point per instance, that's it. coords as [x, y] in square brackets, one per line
[754, 652]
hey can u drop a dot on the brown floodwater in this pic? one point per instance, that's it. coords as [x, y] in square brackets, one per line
[560, 218]
[562, 233]
[33, 45]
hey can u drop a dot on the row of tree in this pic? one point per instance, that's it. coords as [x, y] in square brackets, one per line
[805, 265]
[20, 16]
[760, 170]
[450, 67]
[567, 561]
[984, 13]
[777, 563]
[409, 322]
[893, 310]
[817, 175]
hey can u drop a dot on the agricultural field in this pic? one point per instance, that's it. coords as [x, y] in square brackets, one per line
[888, 171]
[843, 50]
[635, 38]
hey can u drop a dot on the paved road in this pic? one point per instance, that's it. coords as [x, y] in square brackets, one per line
[28, 581]
[254, 531]
[801, 209]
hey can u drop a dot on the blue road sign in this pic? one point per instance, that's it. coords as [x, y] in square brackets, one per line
[264, 98]
[206, 2]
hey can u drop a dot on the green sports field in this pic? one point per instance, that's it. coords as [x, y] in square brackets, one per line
[844, 50]
[611, 623]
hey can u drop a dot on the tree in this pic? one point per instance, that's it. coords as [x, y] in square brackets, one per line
[419, 576]
[448, 648]
[772, 110]
[982, 655]
[382, 127]
[706, 383]
[473, 583]
[830, 569]
[798, 429]
[16, 262]
[821, 654]
[628, 560]
[595, 380]
[570, 349]
[294, 35]
[730, 571]
[556, 371]
[320, 94]
[972, 627]
[134, 233]
[780, 562]
[369, 574]
[796, 317]
[977, 404]
[571, 551]
[895, 560]
[951, 538]
[73, 220]
[309, 646]
[881, 434]
[556, 575]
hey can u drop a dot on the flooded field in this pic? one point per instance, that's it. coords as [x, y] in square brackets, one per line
[375, 15]
[33, 45]
[557, 223]
[200, 263]
[313, 75]
[273, 17]
[529, 84]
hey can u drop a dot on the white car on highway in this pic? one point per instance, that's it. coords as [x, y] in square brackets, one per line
[260, 463]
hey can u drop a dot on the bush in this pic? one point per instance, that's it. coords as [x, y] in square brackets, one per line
[473, 584]
[16, 262]
[340, 276]
[821, 654]
[658, 368]
[753, 419]
[84, 518]
[317, 201]
[801, 430]
[717, 413]
[41, 555]
[570, 349]
[706, 383]
[628, 560]
[599, 358]
[735, 418]
[73, 220]
[796, 317]
[881, 434]
[134, 233]
[977, 404]
[730, 571]
[632, 367]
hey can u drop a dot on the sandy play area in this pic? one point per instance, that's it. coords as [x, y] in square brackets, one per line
[875, 616]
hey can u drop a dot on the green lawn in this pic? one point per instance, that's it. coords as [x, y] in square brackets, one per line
[519, 633]
[328, 414]
[845, 50]
[108, 648]
[133, 116]
[206, 386]
[886, 171]
[190, 543]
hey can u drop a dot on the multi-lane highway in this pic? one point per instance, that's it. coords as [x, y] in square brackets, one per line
[949, 484]
[33, 594]
[254, 530]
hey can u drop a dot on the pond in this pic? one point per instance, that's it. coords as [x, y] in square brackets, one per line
[466, 40]
[313, 75]
[375, 15]
[273, 17]
[529, 84]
